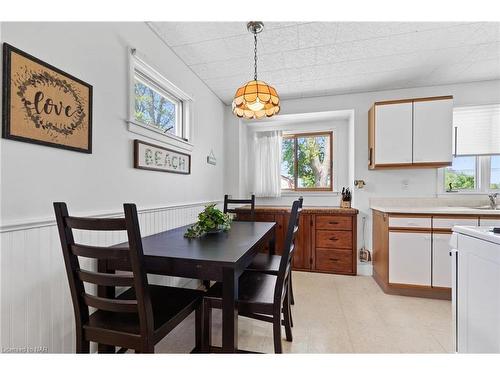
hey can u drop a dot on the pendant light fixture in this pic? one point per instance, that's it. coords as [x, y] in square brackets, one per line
[255, 99]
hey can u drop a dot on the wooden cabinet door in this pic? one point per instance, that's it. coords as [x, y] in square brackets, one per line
[302, 256]
[441, 260]
[393, 134]
[280, 220]
[432, 131]
[410, 258]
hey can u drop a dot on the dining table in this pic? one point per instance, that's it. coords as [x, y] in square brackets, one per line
[220, 257]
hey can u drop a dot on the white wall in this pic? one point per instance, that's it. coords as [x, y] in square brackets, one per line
[35, 308]
[35, 176]
[386, 183]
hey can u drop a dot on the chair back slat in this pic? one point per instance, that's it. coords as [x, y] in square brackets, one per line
[233, 210]
[105, 279]
[132, 255]
[108, 304]
[88, 223]
[98, 252]
[288, 249]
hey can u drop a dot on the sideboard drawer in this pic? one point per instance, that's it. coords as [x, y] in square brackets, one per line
[333, 222]
[334, 260]
[339, 239]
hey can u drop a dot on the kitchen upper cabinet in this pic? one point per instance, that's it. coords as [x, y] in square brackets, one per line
[441, 260]
[410, 133]
[432, 131]
[393, 134]
[410, 258]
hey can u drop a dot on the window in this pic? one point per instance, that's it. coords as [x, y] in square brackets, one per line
[476, 145]
[158, 109]
[495, 172]
[461, 175]
[306, 162]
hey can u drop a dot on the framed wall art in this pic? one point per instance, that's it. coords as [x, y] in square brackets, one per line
[157, 158]
[44, 105]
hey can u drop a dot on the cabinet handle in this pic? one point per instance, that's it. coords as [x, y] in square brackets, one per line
[334, 259]
[333, 239]
[334, 222]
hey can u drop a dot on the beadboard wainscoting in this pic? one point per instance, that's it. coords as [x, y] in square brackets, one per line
[36, 309]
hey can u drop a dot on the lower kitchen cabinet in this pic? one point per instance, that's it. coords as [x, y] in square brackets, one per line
[326, 241]
[441, 262]
[410, 258]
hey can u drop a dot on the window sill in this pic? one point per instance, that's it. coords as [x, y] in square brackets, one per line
[290, 193]
[170, 140]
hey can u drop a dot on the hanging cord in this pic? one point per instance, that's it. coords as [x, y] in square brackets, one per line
[255, 55]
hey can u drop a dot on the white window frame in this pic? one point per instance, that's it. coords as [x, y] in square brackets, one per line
[184, 105]
[482, 178]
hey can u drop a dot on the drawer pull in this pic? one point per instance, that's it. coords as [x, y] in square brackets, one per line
[334, 259]
[333, 239]
[334, 222]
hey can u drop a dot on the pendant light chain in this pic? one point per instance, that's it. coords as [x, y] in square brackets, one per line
[255, 55]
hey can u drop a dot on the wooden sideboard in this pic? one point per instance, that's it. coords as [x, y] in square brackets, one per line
[326, 241]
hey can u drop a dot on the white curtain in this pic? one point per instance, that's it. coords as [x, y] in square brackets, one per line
[267, 164]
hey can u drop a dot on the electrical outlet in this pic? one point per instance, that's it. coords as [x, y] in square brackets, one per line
[405, 184]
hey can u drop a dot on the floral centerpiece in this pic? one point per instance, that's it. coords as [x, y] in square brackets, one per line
[210, 220]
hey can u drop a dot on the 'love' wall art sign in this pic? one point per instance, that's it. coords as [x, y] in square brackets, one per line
[156, 158]
[43, 104]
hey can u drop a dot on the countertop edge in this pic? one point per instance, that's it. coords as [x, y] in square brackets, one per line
[436, 211]
[305, 209]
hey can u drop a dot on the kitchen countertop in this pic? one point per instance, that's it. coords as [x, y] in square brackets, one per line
[444, 210]
[305, 209]
[481, 233]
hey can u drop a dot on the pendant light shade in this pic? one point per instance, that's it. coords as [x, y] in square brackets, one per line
[256, 99]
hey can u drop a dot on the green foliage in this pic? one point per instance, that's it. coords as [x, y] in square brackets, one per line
[458, 180]
[153, 109]
[311, 150]
[211, 219]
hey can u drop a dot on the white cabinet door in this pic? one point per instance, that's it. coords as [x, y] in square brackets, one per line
[441, 260]
[432, 131]
[410, 258]
[393, 133]
[478, 300]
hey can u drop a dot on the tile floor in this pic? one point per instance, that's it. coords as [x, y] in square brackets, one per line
[341, 314]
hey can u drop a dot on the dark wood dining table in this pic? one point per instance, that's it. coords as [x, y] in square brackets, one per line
[218, 257]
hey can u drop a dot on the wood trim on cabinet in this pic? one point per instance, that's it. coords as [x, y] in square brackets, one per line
[424, 99]
[380, 241]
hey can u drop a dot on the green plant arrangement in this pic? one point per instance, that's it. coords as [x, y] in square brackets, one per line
[210, 220]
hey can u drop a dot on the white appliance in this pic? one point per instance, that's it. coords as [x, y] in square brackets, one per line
[476, 289]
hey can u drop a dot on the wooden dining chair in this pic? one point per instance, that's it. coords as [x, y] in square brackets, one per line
[228, 202]
[261, 296]
[138, 317]
[232, 210]
[268, 263]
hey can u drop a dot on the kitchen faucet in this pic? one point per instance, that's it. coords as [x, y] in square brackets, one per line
[493, 203]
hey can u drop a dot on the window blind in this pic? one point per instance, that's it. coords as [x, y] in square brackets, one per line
[476, 130]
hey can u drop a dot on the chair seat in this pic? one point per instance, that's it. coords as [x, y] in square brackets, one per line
[255, 288]
[170, 306]
[265, 263]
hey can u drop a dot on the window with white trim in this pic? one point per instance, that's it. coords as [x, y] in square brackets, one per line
[158, 108]
[476, 146]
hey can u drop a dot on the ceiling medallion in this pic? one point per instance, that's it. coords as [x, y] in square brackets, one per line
[255, 99]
